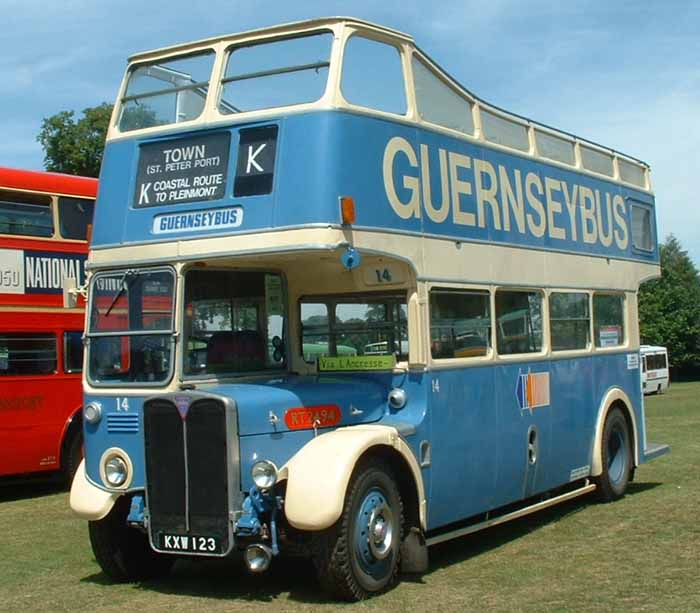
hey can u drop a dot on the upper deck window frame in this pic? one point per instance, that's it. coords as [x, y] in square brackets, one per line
[230, 48]
[417, 57]
[26, 198]
[637, 207]
[408, 93]
[221, 48]
[125, 97]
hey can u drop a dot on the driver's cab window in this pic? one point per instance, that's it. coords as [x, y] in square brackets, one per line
[357, 325]
[234, 322]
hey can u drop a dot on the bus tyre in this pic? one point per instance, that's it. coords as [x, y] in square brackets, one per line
[72, 456]
[359, 555]
[124, 553]
[616, 450]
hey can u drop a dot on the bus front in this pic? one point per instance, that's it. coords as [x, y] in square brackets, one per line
[221, 275]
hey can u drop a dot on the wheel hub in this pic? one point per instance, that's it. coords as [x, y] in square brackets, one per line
[380, 531]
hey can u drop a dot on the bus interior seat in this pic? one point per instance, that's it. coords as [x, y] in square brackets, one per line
[246, 346]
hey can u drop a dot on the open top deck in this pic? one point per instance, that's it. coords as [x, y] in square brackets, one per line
[258, 136]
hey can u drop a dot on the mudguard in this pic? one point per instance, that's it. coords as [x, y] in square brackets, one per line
[318, 474]
[88, 501]
[609, 399]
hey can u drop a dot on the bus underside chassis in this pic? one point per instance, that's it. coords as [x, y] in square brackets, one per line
[355, 558]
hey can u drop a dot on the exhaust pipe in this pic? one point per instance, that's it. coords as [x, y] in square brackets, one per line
[258, 557]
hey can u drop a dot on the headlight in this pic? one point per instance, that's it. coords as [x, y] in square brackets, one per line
[92, 412]
[116, 469]
[264, 474]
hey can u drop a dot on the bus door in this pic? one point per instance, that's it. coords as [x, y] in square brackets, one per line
[523, 399]
[462, 405]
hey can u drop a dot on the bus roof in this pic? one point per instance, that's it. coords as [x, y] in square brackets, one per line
[652, 349]
[48, 182]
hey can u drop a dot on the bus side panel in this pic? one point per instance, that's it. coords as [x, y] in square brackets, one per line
[34, 408]
[523, 398]
[34, 414]
[465, 434]
[575, 401]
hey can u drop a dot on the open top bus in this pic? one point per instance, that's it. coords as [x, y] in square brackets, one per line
[340, 306]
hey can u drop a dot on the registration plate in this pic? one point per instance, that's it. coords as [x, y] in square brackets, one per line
[187, 543]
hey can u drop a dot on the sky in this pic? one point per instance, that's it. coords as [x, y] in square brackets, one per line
[625, 74]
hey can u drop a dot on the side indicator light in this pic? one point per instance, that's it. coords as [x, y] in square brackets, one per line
[347, 210]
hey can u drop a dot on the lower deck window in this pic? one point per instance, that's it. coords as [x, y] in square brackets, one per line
[609, 320]
[519, 321]
[655, 361]
[569, 320]
[460, 323]
[73, 352]
[354, 325]
[27, 353]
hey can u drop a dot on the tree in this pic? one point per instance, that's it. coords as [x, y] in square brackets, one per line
[669, 307]
[75, 147]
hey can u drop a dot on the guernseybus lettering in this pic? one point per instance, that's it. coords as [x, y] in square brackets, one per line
[503, 198]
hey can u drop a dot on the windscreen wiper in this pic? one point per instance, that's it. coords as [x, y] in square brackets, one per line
[124, 282]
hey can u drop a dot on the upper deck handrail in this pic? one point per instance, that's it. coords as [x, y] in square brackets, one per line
[276, 71]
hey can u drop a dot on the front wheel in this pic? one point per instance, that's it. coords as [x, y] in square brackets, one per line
[359, 555]
[616, 456]
[124, 553]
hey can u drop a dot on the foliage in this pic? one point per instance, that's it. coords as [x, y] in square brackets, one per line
[75, 147]
[669, 307]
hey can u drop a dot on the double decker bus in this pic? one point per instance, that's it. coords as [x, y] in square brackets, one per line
[44, 221]
[341, 307]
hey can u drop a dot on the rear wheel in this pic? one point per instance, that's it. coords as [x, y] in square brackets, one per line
[616, 457]
[359, 555]
[124, 553]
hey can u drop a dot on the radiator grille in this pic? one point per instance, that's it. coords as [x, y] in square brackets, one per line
[187, 469]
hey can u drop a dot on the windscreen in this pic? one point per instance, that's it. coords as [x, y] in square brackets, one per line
[234, 322]
[130, 328]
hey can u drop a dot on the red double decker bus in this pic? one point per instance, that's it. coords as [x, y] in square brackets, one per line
[45, 220]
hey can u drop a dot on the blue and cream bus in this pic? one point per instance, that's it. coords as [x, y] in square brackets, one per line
[341, 307]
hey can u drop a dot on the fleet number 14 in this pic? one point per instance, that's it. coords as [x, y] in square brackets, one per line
[122, 404]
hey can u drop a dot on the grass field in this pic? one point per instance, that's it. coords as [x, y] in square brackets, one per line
[640, 553]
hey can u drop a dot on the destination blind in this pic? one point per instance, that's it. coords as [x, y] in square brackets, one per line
[183, 170]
